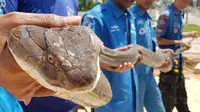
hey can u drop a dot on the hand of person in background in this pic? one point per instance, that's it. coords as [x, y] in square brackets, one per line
[126, 65]
[186, 44]
[168, 61]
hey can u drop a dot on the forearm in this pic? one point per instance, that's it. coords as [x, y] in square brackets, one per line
[163, 41]
[187, 34]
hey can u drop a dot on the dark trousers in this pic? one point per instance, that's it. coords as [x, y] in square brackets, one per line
[172, 87]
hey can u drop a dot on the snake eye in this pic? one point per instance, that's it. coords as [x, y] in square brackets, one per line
[50, 58]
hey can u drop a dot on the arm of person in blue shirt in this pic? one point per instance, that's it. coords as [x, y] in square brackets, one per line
[194, 34]
[162, 29]
[94, 22]
[12, 77]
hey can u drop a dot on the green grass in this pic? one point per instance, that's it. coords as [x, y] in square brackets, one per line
[188, 27]
[191, 27]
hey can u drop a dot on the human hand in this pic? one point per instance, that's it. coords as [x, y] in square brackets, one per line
[128, 47]
[14, 19]
[195, 34]
[186, 44]
[126, 65]
[166, 64]
[169, 54]
[120, 68]
[12, 77]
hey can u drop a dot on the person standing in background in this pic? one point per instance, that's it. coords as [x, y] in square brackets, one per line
[169, 32]
[113, 23]
[149, 93]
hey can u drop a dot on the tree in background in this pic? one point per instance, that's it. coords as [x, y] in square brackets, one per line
[85, 5]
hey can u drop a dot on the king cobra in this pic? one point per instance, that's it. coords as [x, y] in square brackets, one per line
[67, 61]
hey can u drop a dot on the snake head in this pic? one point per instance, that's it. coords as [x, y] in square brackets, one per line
[64, 58]
[71, 59]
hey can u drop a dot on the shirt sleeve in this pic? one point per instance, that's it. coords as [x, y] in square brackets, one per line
[162, 25]
[93, 23]
[10, 6]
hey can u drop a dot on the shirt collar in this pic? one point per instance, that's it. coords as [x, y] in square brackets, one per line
[116, 10]
[140, 12]
[174, 10]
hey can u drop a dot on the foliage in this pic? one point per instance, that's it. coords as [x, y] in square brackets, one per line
[191, 27]
[81, 5]
[90, 4]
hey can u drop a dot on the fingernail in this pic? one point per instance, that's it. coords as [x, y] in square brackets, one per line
[78, 17]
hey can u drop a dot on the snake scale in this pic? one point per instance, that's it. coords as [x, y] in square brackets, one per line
[67, 61]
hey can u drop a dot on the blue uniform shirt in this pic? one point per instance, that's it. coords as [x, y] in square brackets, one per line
[116, 29]
[170, 26]
[59, 7]
[8, 103]
[145, 36]
[149, 93]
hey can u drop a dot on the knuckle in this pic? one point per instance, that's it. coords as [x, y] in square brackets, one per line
[50, 19]
[14, 18]
[13, 14]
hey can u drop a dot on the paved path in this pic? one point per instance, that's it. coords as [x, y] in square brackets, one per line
[193, 90]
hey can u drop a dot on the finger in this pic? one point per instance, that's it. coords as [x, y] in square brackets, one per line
[43, 92]
[111, 68]
[124, 67]
[130, 65]
[166, 63]
[40, 91]
[139, 60]
[122, 48]
[118, 69]
[129, 46]
[139, 51]
[189, 46]
[26, 91]
[44, 20]
[31, 93]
